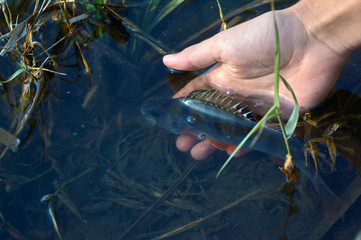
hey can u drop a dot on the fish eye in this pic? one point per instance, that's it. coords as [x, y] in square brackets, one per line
[192, 118]
[155, 113]
[202, 136]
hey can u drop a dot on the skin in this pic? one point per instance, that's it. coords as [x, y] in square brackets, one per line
[316, 39]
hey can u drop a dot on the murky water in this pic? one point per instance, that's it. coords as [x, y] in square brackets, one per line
[107, 167]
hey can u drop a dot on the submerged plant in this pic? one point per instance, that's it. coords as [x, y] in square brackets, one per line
[34, 60]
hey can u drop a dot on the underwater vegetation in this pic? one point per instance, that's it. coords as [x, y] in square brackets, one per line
[79, 161]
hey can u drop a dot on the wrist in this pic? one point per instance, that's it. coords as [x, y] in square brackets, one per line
[335, 23]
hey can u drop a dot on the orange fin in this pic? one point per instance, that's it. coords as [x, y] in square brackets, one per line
[223, 146]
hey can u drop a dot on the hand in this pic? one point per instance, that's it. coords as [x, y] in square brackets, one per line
[244, 57]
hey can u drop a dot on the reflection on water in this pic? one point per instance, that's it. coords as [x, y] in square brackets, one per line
[105, 166]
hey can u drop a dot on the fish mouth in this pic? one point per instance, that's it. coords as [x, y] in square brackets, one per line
[150, 113]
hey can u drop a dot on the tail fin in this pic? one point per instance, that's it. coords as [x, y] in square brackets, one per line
[329, 201]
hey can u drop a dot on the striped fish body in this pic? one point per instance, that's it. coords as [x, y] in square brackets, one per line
[219, 117]
[213, 115]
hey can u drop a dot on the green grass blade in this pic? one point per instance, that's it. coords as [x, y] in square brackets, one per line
[223, 25]
[14, 75]
[277, 65]
[254, 129]
[293, 120]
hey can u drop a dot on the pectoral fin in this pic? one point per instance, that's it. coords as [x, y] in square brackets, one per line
[223, 146]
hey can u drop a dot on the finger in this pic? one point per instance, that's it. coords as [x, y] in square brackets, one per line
[195, 57]
[200, 82]
[202, 150]
[185, 142]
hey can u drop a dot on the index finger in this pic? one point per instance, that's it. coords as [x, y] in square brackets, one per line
[195, 57]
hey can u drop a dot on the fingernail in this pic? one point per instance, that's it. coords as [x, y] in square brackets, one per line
[167, 57]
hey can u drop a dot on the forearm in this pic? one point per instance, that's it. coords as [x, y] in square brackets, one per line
[334, 22]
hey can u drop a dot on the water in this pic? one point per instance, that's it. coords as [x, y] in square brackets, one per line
[112, 165]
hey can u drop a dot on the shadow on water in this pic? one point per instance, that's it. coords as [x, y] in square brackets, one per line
[107, 174]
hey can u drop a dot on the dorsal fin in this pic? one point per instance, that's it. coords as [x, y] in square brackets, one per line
[222, 101]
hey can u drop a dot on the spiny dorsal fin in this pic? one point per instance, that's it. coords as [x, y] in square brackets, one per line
[222, 101]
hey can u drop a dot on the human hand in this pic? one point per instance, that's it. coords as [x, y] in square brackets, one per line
[244, 57]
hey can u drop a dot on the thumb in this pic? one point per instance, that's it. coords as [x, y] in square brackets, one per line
[195, 57]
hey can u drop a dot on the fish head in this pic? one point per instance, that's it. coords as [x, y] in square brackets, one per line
[165, 113]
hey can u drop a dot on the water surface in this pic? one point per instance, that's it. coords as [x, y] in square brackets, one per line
[111, 165]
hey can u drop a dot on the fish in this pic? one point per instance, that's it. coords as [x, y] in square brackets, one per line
[224, 120]
[209, 114]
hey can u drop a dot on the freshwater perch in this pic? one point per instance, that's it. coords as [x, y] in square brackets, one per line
[225, 120]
